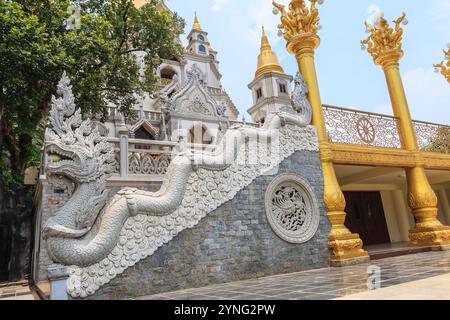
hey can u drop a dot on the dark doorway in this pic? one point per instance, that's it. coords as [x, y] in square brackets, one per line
[5, 252]
[143, 134]
[365, 215]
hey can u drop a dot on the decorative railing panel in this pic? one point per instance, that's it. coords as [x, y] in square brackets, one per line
[145, 157]
[148, 163]
[432, 137]
[251, 124]
[361, 128]
[136, 115]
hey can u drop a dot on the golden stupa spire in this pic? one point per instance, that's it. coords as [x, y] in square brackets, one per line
[267, 59]
[196, 25]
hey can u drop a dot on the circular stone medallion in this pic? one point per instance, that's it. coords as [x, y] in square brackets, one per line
[292, 208]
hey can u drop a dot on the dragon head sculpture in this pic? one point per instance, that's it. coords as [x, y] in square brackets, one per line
[76, 150]
[79, 159]
[300, 102]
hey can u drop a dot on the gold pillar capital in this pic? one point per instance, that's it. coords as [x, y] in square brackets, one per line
[305, 43]
[384, 43]
[444, 66]
[389, 59]
[299, 19]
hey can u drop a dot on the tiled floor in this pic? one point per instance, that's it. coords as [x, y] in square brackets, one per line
[435, 288]
[16, 292]
[321, 284]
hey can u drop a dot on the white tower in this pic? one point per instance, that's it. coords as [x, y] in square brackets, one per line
[271, 86]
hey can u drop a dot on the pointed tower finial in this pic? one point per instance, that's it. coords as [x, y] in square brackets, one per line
[267, 60]
[196, 25]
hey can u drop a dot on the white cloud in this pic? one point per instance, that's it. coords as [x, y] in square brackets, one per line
[440, 16]
[428, 95]
[218, 5]
[260, 14]
[384, 109]
[441, 10]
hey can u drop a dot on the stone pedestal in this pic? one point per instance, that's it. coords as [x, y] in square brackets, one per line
[58, 276]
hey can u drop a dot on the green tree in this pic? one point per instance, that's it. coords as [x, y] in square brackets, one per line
[99, 57]
[441, 142]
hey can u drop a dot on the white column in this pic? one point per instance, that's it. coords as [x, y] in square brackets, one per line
[402, 214]
[124, 155]
[391, 216]
[444, 204]
[122, 132]
[57, 275]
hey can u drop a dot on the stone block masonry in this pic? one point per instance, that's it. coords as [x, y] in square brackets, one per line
[234, 242]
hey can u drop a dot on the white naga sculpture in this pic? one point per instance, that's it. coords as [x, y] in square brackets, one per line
[300, 102]
[99, 239]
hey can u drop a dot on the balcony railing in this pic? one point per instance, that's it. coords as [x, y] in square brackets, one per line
[432, 137]
[356, 127]
[361, 128]
[142, 157]
[137, 115]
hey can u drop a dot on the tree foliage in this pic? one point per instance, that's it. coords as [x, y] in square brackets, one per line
[99, 57]
[441, 142]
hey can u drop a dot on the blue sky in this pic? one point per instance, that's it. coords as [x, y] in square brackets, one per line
[347, 75]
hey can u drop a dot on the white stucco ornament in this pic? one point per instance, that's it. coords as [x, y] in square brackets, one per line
[193, 97]
[292, 208]
[98, 243]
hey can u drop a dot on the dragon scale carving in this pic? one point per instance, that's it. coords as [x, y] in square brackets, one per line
[101, 244]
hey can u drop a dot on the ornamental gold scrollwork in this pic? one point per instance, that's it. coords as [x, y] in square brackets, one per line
[334, 199]
[444, 66]
[426, 199]
[383, 38]
[345, 245]
[359, 155]
[430, 237]
[299, 19]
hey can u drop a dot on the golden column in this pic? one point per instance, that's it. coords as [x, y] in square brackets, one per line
[444, 67]
[299, 27]
[385, 45]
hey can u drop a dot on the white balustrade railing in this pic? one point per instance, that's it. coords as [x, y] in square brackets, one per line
[142, 157]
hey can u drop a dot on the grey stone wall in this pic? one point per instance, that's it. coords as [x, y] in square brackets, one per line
[235, 242]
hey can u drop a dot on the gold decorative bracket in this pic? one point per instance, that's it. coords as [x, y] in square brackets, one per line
[444, 66]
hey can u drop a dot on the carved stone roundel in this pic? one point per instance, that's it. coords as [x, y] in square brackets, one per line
[292, 208]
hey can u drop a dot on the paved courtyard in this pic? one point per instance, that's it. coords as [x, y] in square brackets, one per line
[424, 272]
[17, 291]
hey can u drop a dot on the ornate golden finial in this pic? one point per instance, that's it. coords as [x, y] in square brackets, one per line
[196, 25]
[267, 59]
[384, 40]
[299, 20]
[444, 67]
